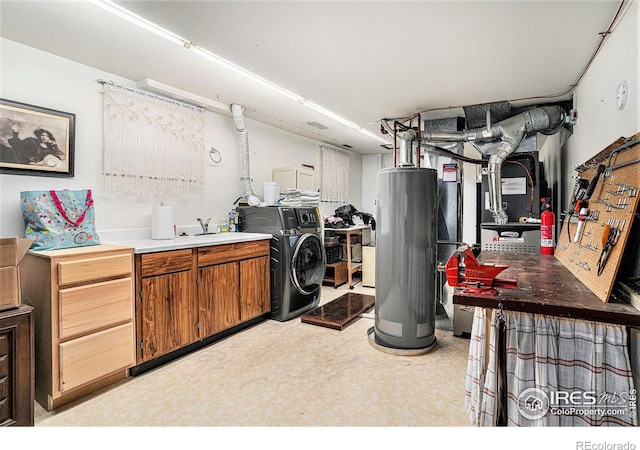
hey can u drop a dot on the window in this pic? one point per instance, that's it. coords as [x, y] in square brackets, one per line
[335, 175]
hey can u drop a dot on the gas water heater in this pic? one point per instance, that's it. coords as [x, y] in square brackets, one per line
[406, 266]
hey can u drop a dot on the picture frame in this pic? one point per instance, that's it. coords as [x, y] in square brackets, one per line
[36, 141]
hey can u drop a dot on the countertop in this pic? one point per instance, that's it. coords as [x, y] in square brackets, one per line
[148, 245]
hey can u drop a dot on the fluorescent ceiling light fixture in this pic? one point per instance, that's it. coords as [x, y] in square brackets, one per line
[127, 15]
[239, 70]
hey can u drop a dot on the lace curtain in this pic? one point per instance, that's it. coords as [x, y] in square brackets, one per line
[153, 146]
[335, 175]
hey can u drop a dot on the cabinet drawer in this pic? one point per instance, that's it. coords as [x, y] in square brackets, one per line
[218, 254]
[92, 269]
[94, 306]
[91, 357]
[166, 262]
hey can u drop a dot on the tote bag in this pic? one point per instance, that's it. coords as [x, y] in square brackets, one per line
[59, 219]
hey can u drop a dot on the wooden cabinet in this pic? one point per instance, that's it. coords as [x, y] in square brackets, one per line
[83, 299]
[294, 178]
[336, 274]
[218, 295]
[166, 310]
[16, 367]
[254, 287]
[185, 296]
[233, 284]
[354, 238]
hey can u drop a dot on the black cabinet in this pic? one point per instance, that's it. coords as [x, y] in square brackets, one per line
[17, 383]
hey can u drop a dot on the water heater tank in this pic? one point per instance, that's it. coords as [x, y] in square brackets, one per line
[406, 265]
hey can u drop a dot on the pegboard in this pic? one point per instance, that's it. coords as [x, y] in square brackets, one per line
[611, 211]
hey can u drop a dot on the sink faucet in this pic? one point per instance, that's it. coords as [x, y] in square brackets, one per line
[204, 225]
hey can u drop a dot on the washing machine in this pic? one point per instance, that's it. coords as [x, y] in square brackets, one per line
[298, 259]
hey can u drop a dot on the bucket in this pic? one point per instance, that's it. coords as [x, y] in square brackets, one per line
[271, 192]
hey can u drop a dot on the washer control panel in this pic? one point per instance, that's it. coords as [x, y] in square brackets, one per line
[307, 217]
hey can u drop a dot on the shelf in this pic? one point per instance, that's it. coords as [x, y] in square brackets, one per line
[336, 274]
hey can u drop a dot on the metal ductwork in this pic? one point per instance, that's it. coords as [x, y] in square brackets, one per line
[511, 132]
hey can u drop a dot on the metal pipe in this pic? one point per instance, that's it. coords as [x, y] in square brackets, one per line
[511, 131]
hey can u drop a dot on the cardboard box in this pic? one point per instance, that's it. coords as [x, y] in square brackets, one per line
[12, 250]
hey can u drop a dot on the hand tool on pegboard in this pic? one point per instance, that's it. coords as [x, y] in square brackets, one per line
[594, 254]
[610, 236]
[578, 191]
[583, 203]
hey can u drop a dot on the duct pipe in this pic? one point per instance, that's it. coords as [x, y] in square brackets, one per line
[245, 177]
[406, 148]
[512, 131]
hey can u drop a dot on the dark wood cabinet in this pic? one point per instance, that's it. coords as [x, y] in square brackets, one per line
[255, 298]
[218, 298]
[189, 295]
[166, 309]
[17, 383]
[233, 285]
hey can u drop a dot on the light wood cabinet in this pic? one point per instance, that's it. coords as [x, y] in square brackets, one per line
[294, 178]
[84, 319]
[186, 296]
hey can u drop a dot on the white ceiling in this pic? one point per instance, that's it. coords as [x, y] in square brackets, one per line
[363, 60]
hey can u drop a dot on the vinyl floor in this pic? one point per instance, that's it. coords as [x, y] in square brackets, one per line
[286, 374]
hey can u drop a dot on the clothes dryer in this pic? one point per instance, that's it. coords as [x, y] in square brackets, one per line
[298, 259]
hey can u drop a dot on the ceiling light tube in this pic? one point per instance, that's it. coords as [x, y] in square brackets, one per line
[127, 15]
[239, 70]
[343, 121]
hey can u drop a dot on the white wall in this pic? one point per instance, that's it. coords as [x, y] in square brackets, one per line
[37, 78]
[600, 122]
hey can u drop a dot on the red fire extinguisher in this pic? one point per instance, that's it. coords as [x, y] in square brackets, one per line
[547, 230]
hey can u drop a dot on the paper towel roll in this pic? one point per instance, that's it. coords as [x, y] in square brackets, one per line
[162, 222]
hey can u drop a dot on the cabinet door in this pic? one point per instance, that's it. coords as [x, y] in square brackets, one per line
[168, 313]
[16, 367]
[254, 288]
[218, 295]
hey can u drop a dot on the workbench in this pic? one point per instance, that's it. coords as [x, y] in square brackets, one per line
[548, 300]
[545, 286]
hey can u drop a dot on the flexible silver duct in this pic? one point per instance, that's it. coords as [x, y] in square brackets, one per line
[511, 131]
[245, 177]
